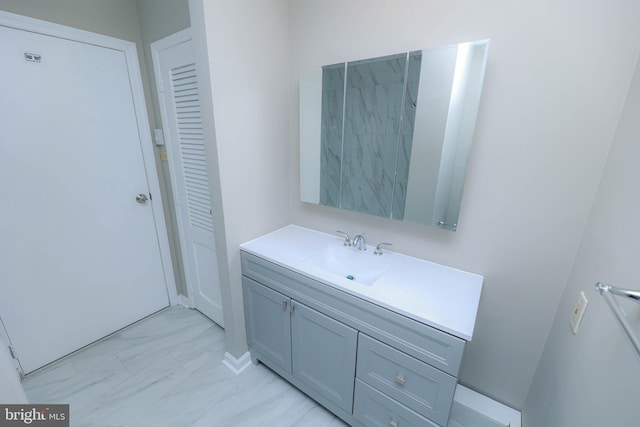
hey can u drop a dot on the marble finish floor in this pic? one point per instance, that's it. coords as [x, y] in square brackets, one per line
[167, 370]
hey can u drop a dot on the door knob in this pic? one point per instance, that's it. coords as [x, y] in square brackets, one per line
[141, 198]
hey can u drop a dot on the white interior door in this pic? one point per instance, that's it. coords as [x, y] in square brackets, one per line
[79, 256]
[175, 70]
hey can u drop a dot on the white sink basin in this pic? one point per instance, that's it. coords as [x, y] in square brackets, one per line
[347, 262]
[439, 296]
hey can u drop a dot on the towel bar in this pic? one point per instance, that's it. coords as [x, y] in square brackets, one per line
[608, 291]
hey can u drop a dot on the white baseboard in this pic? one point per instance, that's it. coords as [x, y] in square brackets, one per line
[237, 366]
[184, 301]
[486, 406]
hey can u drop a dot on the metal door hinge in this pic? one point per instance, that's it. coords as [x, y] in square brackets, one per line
[13, 354]
[32, 57]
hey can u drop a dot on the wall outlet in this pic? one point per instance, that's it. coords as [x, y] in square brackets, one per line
[578, 312]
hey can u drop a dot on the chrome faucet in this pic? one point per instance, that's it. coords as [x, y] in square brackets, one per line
[347, 239]
[359, 243]
[378, 250]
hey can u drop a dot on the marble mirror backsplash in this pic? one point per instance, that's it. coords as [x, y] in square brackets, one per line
[390, 136]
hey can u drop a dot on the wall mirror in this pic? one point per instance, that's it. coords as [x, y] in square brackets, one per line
[390, 136]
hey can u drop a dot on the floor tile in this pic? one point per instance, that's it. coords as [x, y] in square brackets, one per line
[129, 398]
[167, 370]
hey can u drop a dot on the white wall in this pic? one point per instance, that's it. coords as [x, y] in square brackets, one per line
[116, 18]
[591, 379]
[159, 19]
[555, 84]
[247, 47]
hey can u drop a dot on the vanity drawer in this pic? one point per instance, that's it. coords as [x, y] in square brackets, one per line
[419, 386]
[373, 408]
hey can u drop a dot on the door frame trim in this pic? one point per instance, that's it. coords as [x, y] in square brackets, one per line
[129, 49]
[5, 340]
[156, 47]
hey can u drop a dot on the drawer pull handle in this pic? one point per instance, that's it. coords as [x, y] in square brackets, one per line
[399, 380]
[284, 305]
[393, 424]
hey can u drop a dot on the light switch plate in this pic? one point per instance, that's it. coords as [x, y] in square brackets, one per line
[158, 137]
[578, 312]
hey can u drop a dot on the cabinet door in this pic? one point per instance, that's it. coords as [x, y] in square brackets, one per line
[324, 354]
[268, 324]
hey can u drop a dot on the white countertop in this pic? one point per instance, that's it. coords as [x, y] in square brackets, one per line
[439, 296]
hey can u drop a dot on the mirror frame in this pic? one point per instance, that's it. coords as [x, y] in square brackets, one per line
[447, 99]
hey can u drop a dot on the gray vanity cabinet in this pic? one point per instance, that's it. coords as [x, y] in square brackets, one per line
[286, 335]
[268, 324]
[420, 390]
[315, 335]
[324, 354]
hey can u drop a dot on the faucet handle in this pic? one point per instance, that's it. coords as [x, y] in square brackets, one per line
[347, 239]
[378, 250]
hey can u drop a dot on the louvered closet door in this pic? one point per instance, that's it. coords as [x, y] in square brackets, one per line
[182, 123]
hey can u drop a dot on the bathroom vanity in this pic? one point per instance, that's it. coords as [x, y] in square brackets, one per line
[376, 339]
